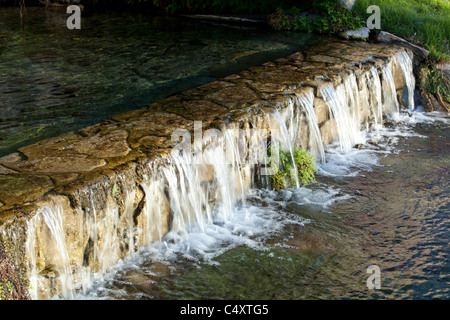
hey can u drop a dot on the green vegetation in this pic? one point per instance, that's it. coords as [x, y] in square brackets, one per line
[329, 16]
[423, 22]
[9, 290]
[437, 84]
[302, 167]
[221, 6]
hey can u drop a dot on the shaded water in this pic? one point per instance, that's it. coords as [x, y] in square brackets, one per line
[55, 80]
[385, 204]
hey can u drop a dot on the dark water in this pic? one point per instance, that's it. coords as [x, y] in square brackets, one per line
[55, 80]
[390, 208]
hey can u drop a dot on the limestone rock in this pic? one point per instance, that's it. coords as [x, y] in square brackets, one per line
[241, 95]
[64, 178]
[49, 147]
[324, 58]
[152, 141]
[13, 157]
[18, 189]
[58, 165]
[321, 110]
[101, 146]
[203, 110]
[4, 170]
[328, 131]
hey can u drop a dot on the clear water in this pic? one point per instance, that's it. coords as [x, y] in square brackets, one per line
[55, 80]
[385, 204]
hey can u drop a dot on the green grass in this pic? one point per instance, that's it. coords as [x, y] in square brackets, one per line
[423, 22]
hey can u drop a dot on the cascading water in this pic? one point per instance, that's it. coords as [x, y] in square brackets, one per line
[344, 113]
[390, 103]
[315, 144]
[49, 224]
[376, 102]
[406, 65]
[193, 192]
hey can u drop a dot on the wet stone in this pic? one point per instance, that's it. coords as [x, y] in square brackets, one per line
[13, 157]
[54, 146]
[64, 178]
[111, 144]
[58, 165]
[203, 110]
[321, 110]
[327, 59]
[152, 141]
[4, 170]
[155, 124]
[268, 87]
[232, 97]
[17, 189]
[280, 76]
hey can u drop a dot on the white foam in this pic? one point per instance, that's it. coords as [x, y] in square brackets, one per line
[379, 141]
[246, 226]
[323, 197]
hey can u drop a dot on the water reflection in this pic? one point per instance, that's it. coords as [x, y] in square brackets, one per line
[54, 80]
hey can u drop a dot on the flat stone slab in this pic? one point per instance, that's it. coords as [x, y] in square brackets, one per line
[80, 158]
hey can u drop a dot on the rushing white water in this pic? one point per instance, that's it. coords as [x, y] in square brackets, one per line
[390, 103]
[285, 137]
[315, 144]
[50, 225]
[376, 102]
[200, 203]
[343, 109]
[406, 65]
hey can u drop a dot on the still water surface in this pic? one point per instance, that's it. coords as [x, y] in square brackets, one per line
[54, 80]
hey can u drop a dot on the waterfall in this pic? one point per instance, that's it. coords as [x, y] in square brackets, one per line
[343, 108]
[406, 65]
[50, 225]
[390, 103]
[190, 191]
[283, 136]
[376, 103]
[315, 145]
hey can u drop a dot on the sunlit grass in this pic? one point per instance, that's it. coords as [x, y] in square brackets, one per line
[424, 22]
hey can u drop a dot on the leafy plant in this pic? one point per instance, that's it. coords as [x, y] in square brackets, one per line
[329, 17]
[437, 84]
[298, 165]
[278, 180]
[306, 166]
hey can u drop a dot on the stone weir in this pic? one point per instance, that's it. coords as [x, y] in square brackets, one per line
[74, 205]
